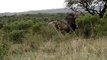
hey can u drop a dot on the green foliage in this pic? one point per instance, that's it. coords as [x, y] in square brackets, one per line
[37, 26]
[105, 15]
[87, 24]
[47, 32]
[16, 36]
[18, 25]
[92, 25]
[2, 53]
[102, 27]
[1, 25]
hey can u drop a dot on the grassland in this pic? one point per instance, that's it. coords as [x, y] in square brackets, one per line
[28, 37]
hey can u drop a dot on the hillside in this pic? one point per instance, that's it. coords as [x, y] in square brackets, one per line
[48, 11]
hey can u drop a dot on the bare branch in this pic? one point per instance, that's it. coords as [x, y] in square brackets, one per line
[91, 6]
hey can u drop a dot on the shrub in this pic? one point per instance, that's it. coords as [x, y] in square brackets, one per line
[16, 36]
[102, 27]
[48, 32]
[37, 26]
[2, 53]
[105, 15]
[18, 25]
[87, 24]
[1, 25]
[24, 25]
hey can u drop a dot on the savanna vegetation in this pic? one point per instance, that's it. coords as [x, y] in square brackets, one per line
[29, 37]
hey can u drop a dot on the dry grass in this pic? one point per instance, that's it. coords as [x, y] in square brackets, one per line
[72, 49]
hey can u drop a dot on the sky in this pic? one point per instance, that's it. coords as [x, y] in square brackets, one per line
[27, 5]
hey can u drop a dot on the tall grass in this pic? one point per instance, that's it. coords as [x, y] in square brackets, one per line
[72, 49]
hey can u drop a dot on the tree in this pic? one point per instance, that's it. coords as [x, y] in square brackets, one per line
[91, 6]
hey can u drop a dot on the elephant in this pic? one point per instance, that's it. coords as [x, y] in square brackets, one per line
[66, 26]
[60, 26]
[70, 19]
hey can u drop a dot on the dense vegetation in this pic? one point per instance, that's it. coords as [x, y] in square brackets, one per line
[23, 34]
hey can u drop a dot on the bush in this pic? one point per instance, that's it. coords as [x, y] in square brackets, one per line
[18, 25]
[105, 15]
[102, 27]
[1, 25]
[48, 32]
[2, 53]
[16, 36]
[15, 31]
[37, 27]
[87, 25]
